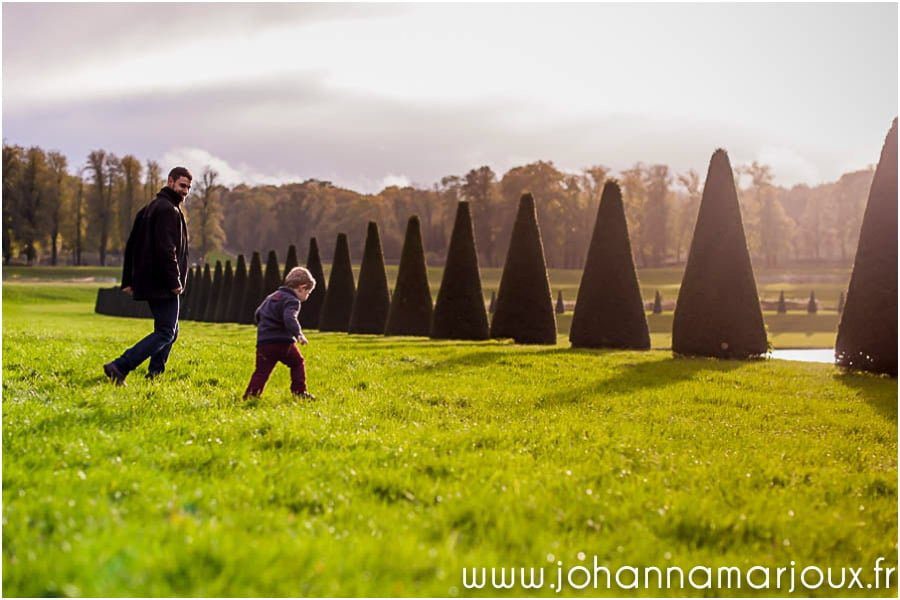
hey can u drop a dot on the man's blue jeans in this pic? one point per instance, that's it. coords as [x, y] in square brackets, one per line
[158, 344]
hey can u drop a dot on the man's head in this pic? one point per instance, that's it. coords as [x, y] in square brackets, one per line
[180, 181]
[301, 281]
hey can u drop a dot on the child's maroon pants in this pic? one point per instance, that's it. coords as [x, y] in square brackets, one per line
[267, 356]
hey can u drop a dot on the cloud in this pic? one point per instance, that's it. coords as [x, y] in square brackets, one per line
[197, 159]
[788, 165]
[395, 180]
[277, 129]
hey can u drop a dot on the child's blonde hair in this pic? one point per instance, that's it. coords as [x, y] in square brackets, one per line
[299, 277]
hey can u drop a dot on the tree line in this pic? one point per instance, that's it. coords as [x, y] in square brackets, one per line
[56, 213]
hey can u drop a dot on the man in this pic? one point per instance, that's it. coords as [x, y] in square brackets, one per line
[154, 270]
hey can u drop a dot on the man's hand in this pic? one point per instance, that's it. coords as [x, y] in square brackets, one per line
[128, 290]
[177, 291]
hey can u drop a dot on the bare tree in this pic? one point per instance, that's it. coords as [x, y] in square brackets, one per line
[206, 214]
[128, 195]
[687, 215]
[56, 200]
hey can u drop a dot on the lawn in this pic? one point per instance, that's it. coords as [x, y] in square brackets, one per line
[418, 459]
[796, 329]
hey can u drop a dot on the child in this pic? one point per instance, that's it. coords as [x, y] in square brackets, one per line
[277, 328]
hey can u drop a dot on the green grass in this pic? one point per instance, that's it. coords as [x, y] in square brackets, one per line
[419, 458]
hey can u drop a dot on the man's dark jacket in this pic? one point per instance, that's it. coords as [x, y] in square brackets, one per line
[156, 253]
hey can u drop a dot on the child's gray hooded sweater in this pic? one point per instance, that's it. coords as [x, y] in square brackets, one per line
[276, 318]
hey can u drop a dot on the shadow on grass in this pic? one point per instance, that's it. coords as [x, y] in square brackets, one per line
[636, 376]
[879, 391]
[626, 378]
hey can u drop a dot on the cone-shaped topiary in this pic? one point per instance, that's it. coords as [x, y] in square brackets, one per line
[187, 310]
[459, 309]
[238, 290]
[215, 290]
[372, 300]
[254, 292]
[203, 298]
[492, 305]
[657, 303]
[524, 302]
[272, 279]
[718, 312]
[609, 309]
[411, 308]
[221, 315]
[311, 311]
[184, 309]
[840, 303]
[290, 262]
[781, 307]
[812, 306]
[215, 294]
[560, 304]
[341, 289]
[867, 334]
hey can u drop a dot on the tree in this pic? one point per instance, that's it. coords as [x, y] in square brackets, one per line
[812, 306]
[609, 310]
[524, 303]
[153, 182]
[411, 308]
[129, 195]
[56, 200]
[781, 308]
[372, 301]
[867, 333]
[104, 170]
[634, 197]
[840, 303]
[341, 289]
[718, 312]
[237, 292]
[206, 214]
[12, 173]
[656, 214]
[311, 311]
[687, 214]
[770, 224]
[560, 305]
[459, 309]
[477, 189]
[78, 221]
[32, 199]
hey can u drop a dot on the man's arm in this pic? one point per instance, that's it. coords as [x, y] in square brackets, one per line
[166, 235]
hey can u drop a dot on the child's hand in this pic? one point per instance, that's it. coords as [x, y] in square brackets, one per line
[303, 341]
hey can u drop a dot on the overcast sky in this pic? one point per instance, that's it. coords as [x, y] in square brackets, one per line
[369, 95]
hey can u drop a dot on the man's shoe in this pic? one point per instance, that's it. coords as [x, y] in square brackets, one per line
[304, 396]
[113, 373]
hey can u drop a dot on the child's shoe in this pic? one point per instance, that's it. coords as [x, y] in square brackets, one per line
[304, 396]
